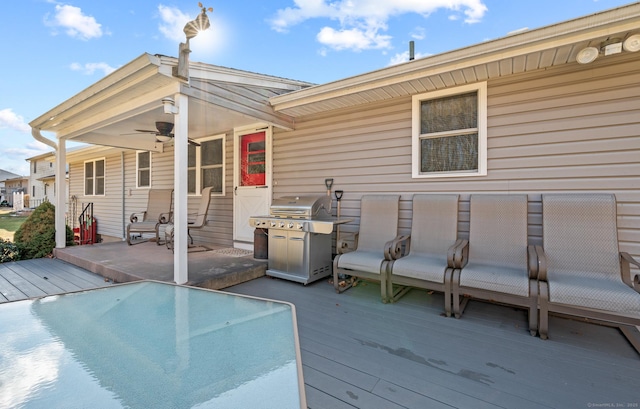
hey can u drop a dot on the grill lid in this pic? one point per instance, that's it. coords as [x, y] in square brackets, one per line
[302, 207]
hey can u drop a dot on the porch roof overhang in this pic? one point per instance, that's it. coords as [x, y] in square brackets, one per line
[550, 46]
[109, 112]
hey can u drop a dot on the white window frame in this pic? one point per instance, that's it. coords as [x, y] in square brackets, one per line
[84, 179]
[138, 170]
[198, 167]
[481, 89]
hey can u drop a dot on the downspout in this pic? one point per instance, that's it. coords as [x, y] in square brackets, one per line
[61, 171]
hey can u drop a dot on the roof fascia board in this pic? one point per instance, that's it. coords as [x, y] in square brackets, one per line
[137, 70]
[582, 29]
[117, 113]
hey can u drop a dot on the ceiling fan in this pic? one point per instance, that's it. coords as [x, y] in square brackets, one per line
[163, 132]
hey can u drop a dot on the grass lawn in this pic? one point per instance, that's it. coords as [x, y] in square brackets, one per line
[9, 223]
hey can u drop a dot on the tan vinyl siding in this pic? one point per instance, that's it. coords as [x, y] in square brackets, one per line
[573, 128]
[108, 209]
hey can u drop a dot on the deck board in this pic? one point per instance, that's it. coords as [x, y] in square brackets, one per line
[417, 358]
[26, 279]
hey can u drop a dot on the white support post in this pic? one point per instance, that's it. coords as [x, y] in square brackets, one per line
[61, 189]
[181, 154]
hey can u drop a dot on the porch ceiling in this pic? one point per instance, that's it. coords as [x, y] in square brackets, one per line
[550, 46]
[109, 112]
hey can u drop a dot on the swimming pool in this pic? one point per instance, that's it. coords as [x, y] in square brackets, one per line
[150, 345]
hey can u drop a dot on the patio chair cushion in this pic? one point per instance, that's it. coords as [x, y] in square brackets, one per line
[498, 231]
[362, 260]
[597, 293]
[143, 227]
[428, 267]
[497, 278]
[580, 234]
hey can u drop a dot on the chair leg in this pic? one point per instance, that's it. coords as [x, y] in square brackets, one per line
[455, 287]
[336, 280]
[533, 308]
[543, 299]
[447, 291]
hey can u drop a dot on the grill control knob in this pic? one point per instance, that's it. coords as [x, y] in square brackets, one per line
[290, 225]
[282, 225]
[300, 226]
[273, 224]
[258, 222]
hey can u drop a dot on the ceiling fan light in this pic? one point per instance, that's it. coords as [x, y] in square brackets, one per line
[163, 138]
[587, 55]
[632, 43]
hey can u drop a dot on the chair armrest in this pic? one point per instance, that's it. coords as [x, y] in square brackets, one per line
[460, 254]
[342, 246]
[393, 248]
[625, 263]
[134, 216]
[541, 263]
[165, 217]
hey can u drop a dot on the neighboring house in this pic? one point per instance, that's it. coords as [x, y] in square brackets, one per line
[4, 175]
[42, 179]
[517, 114]
[18, 184]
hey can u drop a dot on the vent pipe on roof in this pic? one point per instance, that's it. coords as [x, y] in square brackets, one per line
[412, 54]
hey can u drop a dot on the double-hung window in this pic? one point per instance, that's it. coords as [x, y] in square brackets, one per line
[205, 165]
[449, 132]
[94, 177]
[143, 169]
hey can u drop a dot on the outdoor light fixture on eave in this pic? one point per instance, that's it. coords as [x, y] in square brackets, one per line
[609, 47]
[191, 29]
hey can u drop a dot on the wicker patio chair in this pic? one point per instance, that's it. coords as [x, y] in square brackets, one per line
[498, 257]
[375, 244]
[158, 212]
[198, 222]
[582, 273]
[431, 248]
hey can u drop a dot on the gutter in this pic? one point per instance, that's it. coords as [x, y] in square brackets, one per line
[35, 132]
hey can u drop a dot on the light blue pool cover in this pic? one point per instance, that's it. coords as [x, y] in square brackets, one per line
[149, 345]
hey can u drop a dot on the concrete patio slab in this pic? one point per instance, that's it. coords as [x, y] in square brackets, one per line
[208, 268]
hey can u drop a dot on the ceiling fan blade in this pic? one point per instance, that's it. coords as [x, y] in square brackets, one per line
[146, 131]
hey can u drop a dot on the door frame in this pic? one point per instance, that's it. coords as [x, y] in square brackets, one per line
[237, 133]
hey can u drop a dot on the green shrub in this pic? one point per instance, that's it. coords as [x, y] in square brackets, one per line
[36, 237]
[8, 251]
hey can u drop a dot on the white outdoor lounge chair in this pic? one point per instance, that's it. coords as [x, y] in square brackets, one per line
[497, 265]
[431, 247]
[158, 212]
[582, 273]
[375, 244]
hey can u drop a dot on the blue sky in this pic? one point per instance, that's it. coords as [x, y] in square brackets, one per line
[54, 49]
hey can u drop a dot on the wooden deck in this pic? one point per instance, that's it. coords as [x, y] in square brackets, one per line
[21, 280]
[360, 353]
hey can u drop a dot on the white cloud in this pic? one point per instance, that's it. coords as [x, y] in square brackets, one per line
[92, 67]
[206, 44]
[75, 23]
[11, 120]
[354, 39]
[404, 57]
[361, 21]
[418, 33]
[172, 22]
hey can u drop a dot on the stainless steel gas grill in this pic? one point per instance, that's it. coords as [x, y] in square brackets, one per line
[299, 240]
